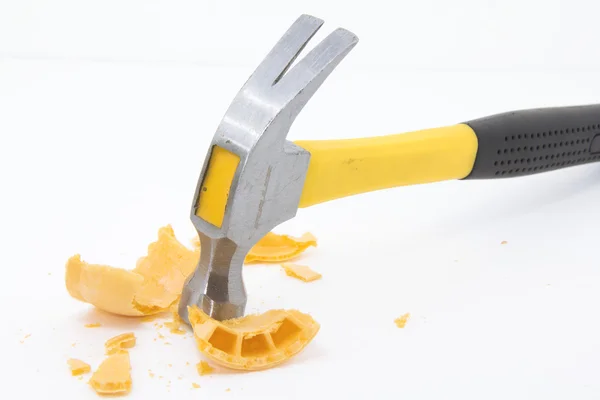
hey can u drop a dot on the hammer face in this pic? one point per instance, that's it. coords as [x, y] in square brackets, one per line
[267, 184]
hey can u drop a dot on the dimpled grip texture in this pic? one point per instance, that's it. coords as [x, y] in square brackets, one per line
[531, 141]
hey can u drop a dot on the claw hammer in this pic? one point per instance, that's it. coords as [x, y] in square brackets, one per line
[253, 179]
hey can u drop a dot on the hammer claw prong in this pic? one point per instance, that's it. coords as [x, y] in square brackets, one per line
[311, 71]
[286, 50]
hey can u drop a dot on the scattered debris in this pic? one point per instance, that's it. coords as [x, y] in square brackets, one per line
[401, 321]
[78, 367]
[204, 368]
[301, 272]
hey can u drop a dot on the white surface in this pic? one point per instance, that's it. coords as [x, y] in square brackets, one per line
[106, 109]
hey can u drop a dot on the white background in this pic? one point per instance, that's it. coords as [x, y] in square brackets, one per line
[106, 111]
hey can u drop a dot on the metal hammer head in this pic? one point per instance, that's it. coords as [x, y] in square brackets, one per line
[252, 176]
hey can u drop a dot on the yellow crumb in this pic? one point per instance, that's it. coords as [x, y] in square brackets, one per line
[151, 374]
[27, 336]
[301, 272]
[169, 365]
[503, 242]
[276, 248]
[73, 344]
[167, 343]
[228, 390]
[93, 325]
[175, 325]
[120, 342]
[113, 376]
[161, 336]
[401, 321]
[253, 342]
[195, 385]
[78, 367]
[204, 368]
[187, 363]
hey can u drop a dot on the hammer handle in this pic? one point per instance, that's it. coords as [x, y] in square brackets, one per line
[531, 141]
[505, 145]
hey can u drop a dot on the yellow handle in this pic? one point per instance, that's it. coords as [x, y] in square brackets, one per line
[340, 168]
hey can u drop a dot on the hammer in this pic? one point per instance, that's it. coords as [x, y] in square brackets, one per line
[253, 179]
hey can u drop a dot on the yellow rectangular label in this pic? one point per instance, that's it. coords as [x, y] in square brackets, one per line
[214, 192]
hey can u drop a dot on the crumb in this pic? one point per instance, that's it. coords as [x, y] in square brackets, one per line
[301, 272]
[401, 322]
[504, 242]
[49, 273]
[187, 363]
[78, 367]
[195, 385]
[167, 343]
[175, 325]
[161, 336]
[180, 377]
[93, 325]
[27, 336]
[169, 365]
[228, 390]
[151, 374]
[204, 368]
[73, 344]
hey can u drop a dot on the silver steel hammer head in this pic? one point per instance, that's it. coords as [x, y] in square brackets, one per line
[252, 176]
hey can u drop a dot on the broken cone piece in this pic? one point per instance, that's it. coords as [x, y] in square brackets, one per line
[150, 288]
[301, 272]
[78, 367]
[253, 342]
[113, 376]
[120, 342]
[276, 248]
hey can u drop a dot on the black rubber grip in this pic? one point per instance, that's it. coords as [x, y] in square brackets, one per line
[531, 141]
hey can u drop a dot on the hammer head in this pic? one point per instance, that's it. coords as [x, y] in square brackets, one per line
[252, 176]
